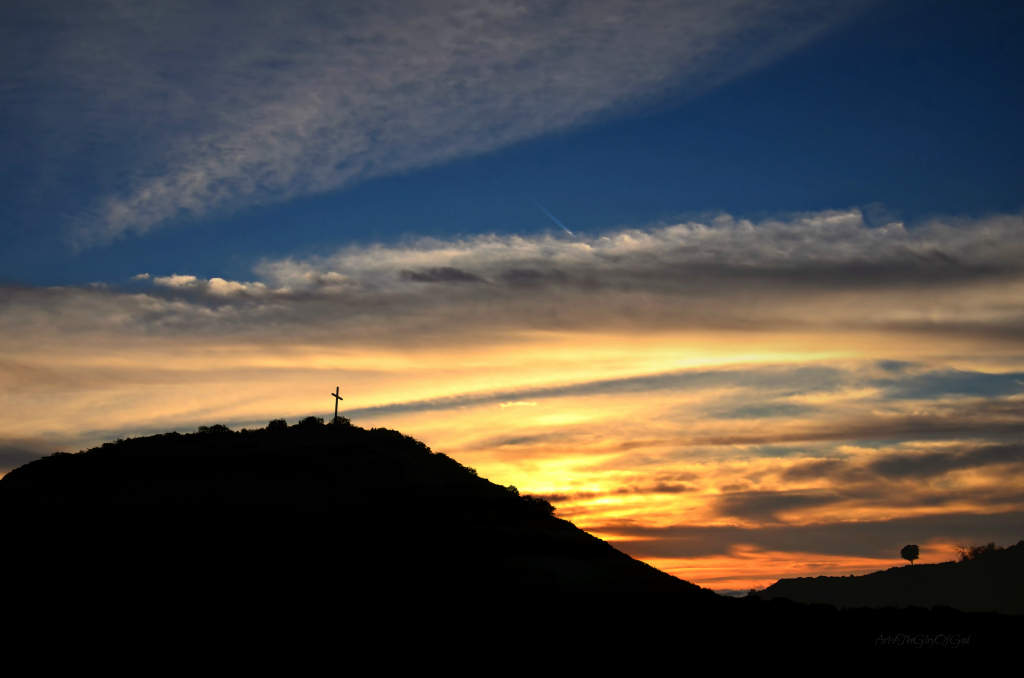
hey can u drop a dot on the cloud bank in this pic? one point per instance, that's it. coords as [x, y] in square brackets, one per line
[198, 109]
[822, 272]
[706, 394]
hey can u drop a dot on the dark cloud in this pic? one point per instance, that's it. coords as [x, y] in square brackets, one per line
[931, 464]
[872, 539]
[532, 278]
[984, 418]
[815, 470]
[659, 488]
[673, 475]
[558, 497]
[766, 506]
[444, 274]
[895, 366]
[765, 411]
[902, 465]
[15, 452]
[939, 383]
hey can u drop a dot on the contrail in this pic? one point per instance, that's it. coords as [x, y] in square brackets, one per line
[553, 217]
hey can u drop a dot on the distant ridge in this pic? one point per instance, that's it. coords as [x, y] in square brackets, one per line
[993, 581]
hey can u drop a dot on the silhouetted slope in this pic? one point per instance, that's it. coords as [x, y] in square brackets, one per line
[373, 506]
[991, 582]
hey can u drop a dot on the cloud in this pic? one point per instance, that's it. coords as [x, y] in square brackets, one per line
[209, 111]
[715, 373]
[935, 384]
[813, 273]
[766, 506]
[444, 274]
[659, 488]
[870, 538]
[780, 285]
[832, 251]
[802, 378]
[767, 410]
[920, 463]
[214, 287]
[930, 464]
[15, 452]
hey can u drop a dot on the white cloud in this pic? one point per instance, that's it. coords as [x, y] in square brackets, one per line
[214, 287]
[813, 272]
[223, 108]
[177, 281]
[831, 250]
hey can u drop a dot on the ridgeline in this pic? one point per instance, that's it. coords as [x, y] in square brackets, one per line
[990, 581]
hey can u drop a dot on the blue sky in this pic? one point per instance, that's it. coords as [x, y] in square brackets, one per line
[906, 110]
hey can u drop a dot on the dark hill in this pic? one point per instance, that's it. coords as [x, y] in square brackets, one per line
[337, 500]
[993, 581]
[343, 538]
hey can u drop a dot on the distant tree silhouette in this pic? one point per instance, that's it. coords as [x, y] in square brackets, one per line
[277, 424]
[341, 421]
[513, 489]
[311, 421]
[539, 504]
[965, 553]
[910, 552]
[216, 428]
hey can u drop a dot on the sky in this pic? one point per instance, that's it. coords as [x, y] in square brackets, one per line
[783, 338]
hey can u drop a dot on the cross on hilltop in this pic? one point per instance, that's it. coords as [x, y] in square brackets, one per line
[337, 399]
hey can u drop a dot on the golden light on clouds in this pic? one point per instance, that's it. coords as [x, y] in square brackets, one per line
[729, 402]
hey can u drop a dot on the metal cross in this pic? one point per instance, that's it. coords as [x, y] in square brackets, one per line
[337, 399]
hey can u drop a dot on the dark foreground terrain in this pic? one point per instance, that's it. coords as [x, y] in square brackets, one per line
[992, 581]
[350, 538]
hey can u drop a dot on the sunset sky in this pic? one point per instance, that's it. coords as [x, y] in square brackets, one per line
[785, 337]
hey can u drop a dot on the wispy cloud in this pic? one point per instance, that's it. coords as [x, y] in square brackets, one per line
[212, 110]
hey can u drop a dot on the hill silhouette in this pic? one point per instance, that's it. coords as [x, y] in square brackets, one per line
[373, 504]
[988, 582]
[346, 535]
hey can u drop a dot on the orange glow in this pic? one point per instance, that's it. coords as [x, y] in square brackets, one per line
[737, 569]
[616, 428]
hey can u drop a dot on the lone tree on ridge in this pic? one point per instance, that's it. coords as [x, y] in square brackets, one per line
[910, 552]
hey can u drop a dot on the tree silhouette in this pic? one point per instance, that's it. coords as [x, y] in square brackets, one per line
[910, 552]
[215, 429]
[964, 553]
[538, 504]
